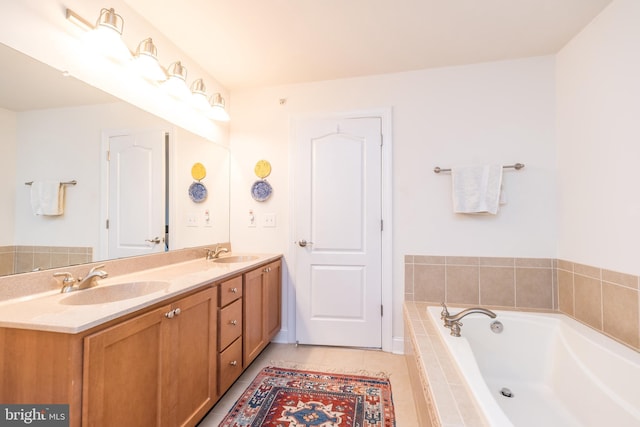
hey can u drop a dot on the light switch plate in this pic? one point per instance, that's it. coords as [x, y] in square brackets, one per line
[192, 220]
[269, 220]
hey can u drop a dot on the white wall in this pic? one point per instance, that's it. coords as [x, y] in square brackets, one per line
[500, 112]
[188, 150]
[8, 125]
[598, 102]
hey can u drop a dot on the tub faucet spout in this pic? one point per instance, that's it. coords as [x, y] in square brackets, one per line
[452, 321]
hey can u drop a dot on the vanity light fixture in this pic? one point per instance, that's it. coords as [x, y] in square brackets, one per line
[176, 84]
[79, 20]
[146, 61]
[199, 96]
[218, 111]
[106, 35]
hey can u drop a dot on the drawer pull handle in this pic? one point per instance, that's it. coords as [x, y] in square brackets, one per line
[233, 363]
[233, 290]
[171, 314]
[233, 322]
[266, 270]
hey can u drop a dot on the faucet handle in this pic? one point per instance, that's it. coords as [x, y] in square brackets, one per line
[444, 313]
[68, 277]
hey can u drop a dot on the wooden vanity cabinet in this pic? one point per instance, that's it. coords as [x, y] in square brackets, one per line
[164, 366]
[262, 308]
[158, 368]
[230, 323]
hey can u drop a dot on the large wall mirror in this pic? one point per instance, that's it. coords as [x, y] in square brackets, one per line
[57, 128]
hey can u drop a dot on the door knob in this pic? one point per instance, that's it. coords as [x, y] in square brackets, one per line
[155, 240]
[303, 243]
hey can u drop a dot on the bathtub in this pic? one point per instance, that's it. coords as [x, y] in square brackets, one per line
[558, 371]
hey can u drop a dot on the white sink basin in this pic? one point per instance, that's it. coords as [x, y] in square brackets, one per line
[112, 293]
[235, 258]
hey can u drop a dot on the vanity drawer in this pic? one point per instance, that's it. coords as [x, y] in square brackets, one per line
[230, 290]
[229, 366]
[230, 326]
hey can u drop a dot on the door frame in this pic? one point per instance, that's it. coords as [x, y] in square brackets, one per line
[385, 115]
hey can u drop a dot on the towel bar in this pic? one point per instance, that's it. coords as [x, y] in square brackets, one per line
[74, 182]
[516, 166]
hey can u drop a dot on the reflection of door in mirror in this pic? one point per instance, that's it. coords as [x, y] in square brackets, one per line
[136, 193]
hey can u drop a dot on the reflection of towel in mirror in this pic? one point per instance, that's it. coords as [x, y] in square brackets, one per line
[47, 198]
[476, 189]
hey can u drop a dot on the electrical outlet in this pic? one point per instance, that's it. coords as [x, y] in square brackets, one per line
[269, 220]
[207, 219]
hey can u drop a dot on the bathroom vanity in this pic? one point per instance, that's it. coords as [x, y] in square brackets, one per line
[161, 358]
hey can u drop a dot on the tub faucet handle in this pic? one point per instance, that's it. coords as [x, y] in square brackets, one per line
[455, 328]
[444, 313]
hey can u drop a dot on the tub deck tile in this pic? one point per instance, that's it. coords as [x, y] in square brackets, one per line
[442, 383]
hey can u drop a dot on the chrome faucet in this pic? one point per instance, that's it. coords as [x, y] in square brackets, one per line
[215, 253]
[453, 321]
[69, 282]
[90, 280]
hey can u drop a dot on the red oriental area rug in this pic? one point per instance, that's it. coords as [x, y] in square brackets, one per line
[280, 397]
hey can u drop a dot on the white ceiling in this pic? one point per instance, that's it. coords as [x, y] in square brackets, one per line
[249, 43]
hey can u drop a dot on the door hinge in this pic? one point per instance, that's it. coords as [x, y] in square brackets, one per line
[108, 155]
[382, 225]
[381, 140]
[107, 224]
[382, 311]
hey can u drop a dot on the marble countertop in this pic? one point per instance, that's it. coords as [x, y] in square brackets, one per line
[48, 311]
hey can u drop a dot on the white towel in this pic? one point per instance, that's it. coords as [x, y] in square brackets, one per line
[47, 198]
[476, 189]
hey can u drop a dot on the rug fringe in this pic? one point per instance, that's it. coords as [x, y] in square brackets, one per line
[327, 369]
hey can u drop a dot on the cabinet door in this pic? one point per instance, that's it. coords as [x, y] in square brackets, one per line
[253, 299]
[273, 300]
[123, 381]
[262, 299]
[193, 371]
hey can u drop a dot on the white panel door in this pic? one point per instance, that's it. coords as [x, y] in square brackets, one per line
[136, 194]
[338, 232]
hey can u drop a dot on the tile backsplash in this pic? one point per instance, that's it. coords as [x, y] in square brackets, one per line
[24, 259]
[603, 299]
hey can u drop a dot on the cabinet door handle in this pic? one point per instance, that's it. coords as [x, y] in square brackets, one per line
[233, 363]
[266, 270]
[233, 322]
[169, 314]
[233, 290]
[177, 311]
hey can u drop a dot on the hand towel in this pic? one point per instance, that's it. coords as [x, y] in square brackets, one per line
[476, 189]
[47, 198]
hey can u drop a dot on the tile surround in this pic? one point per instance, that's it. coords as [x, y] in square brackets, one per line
[499, 282]
[606, 300]
[25, 259]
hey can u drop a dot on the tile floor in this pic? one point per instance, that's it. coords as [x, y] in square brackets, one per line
[333, 358]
